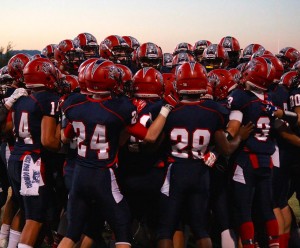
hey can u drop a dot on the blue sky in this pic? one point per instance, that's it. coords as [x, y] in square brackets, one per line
[33, 24]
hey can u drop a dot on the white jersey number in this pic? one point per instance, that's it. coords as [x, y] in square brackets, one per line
[189, 145]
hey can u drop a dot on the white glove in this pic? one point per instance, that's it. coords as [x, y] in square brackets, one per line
[210, 158]
[15, 96]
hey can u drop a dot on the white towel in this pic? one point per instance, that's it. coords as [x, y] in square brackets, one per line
[31, 178]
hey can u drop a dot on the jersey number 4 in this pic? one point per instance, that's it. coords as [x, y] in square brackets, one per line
[98, 141]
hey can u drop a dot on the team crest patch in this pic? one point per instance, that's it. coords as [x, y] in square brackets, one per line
[18, 63]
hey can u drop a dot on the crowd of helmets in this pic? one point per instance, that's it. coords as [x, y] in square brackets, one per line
[224, 62]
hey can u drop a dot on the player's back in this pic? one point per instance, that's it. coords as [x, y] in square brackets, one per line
[191, 127]
[135, 155]
[260, 140]
[27, 114]
[98, 125]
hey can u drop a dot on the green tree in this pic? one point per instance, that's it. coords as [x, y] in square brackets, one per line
[5, 54]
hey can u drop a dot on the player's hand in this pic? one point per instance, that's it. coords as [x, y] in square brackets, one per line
[270, 108]
[15, 96]
[245, 130]
[210, 158]
[171, 101]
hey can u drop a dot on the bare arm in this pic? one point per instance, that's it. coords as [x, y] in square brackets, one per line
[50, 134]
[226, 147]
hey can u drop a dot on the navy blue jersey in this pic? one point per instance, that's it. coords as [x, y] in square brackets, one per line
[134, 154]
[190, 128]
[295, 98]
[225, 112]
[280, 96]
[98, 125]
[27, 114]
[72, 99]
[260, 141]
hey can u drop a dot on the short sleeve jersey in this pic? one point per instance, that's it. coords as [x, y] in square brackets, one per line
[98, 125]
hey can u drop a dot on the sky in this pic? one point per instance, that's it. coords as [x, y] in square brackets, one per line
[33, 24]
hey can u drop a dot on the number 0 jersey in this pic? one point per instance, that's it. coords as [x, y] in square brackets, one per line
[98, 125]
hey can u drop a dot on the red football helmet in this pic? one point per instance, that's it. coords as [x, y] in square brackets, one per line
[48, 51]
[81, 75]
[5, 79]
[260, 53]
[277, 64]
[191, 78]
[236, 74]
[296, 66]
[40, 72]
[199, 47]
[249, 50]
[116, 49]
[259, 72]
[214, 57]
[68, 56]
[132, 42]
[241, 66]
[232, 47]
[88, 43]
[180, 58]
[290, 79]
[16, 65]
[73, 83]
[183, 47]
[288, 57]
[124, 81]
[101, 77]
[209, 92]
[148, 83]
[222, 82]
[149, 55]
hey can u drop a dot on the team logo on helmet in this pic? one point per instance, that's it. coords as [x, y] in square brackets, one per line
[214, 79]
[113, 72]
[17, 64]
[46, 67]
[151, 50]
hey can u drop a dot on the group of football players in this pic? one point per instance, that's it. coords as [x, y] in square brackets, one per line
[120, 135]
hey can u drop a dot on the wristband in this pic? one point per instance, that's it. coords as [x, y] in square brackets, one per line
[164, 111]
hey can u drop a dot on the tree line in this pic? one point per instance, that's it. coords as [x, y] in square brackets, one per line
[5, 54]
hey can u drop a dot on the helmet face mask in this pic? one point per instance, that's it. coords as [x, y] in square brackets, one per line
[214, 57]
[89, 45]
[149, 55]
